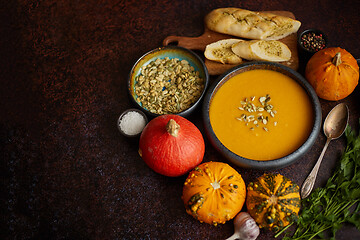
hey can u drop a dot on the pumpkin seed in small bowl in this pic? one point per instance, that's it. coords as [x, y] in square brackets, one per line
[168, 80]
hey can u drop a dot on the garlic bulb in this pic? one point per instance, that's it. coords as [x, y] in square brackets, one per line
[245, 227]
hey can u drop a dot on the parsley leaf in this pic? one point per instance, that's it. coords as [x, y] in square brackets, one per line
[327, 208]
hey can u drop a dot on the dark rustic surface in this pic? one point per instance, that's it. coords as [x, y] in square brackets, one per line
[67, 173]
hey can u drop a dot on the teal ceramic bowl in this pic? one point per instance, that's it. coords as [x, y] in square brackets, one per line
[171, 52]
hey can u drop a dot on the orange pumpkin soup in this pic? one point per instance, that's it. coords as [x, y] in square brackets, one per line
[261, 114]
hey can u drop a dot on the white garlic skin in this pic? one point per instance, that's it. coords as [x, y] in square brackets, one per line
[246, 227]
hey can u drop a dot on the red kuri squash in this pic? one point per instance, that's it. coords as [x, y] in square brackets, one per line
[171, 145]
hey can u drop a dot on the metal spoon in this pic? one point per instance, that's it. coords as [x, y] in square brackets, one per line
[334, 126]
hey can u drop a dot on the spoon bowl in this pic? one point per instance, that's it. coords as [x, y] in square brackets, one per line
[336, 121]
[334, 126]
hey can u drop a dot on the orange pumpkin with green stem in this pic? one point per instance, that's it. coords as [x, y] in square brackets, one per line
[333, 73]
[214, 193]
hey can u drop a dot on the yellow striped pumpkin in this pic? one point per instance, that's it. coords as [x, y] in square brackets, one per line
[273, 201]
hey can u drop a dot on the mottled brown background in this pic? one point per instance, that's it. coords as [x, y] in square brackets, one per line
[67, 173]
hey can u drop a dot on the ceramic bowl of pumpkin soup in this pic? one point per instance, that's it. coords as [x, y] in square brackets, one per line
[262, 115]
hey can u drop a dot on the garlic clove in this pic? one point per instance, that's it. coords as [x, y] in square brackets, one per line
[245, 227]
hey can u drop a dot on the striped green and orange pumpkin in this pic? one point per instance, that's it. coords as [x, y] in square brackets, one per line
[273, 201]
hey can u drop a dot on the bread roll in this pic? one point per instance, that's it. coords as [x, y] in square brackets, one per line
[266, 50]
[252, 25]
[220, 51]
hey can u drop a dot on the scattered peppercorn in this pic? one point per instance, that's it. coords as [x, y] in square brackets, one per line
[312, 41]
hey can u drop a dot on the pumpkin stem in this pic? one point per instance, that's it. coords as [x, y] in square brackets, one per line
[172, 128]
[336, 59]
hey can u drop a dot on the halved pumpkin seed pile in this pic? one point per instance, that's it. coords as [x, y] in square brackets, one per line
[257, 115]
[168, 86]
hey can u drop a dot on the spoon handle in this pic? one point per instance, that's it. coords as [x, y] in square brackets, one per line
[310, 180]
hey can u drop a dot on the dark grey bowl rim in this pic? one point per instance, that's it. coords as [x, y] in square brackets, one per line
[317, 31]
[269, 164]
[189, 110]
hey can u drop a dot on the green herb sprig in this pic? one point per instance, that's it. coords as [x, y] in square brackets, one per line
[327, 208]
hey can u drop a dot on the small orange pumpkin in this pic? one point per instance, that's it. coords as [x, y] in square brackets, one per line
[333, 73]
[214, 193]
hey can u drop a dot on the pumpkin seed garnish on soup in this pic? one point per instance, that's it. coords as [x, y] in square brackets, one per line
[255, 113]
